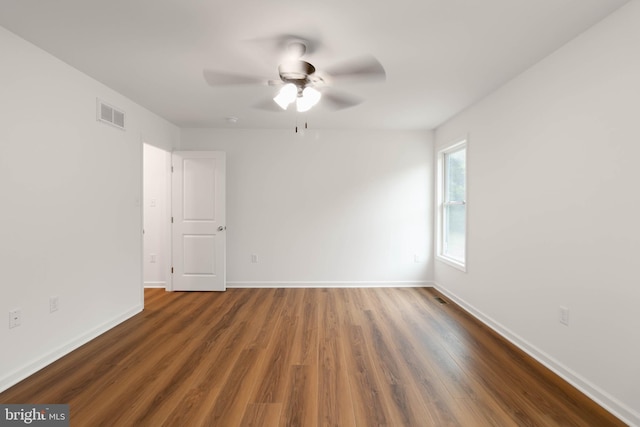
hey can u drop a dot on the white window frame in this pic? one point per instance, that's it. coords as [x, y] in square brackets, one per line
[440, 205]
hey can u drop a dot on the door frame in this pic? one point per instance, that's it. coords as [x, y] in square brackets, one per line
[166, 243]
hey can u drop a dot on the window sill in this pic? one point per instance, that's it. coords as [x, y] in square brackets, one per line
[452, 262]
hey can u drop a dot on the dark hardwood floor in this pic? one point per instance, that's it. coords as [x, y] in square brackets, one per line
[305, 357]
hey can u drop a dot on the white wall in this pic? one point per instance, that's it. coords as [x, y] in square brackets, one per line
[156, 196]
[332, 208]
[554, 207]
[70, 222]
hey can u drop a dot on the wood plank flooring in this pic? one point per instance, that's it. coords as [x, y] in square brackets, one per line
[308, 358]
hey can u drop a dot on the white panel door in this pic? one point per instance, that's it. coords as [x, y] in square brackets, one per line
[198, 215]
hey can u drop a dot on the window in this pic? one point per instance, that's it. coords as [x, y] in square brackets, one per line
[452, 205]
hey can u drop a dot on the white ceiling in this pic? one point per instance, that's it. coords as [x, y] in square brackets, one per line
[440, 56]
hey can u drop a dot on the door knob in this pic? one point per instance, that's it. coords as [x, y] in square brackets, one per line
[221, 228]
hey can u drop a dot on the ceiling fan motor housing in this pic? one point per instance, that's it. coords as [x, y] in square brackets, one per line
[296, 72]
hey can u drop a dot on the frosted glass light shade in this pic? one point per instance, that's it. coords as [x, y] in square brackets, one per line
[286, 96]
[309, 98]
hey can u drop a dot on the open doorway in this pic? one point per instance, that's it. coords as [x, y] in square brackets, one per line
[156, 217]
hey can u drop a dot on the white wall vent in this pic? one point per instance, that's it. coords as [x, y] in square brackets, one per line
[109, 114]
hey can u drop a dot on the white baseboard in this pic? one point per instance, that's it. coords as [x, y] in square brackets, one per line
[162, 285]
[33, 367]
[332, 284]
[604, 399]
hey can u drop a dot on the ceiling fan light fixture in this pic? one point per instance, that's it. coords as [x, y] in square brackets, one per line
[309, 98]
[286, 96]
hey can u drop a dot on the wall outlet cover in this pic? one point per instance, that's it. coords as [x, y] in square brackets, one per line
[564, 316]
[53, 304]
[15, 318]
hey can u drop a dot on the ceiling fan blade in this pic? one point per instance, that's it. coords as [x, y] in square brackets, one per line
[268, 104]
[221, 78]
[338, 100]
[366, 67]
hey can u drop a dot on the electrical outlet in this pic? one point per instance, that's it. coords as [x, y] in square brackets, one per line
[254, 258]
[416, 258]
[53, 304]
[15, 318]
[564, 316]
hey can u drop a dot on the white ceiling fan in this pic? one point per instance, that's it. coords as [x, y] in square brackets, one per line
[301, 83]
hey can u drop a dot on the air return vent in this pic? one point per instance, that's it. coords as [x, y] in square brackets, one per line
[109, 114]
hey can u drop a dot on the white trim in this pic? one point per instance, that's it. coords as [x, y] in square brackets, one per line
[141, 266]
[459, 143]
[601, 397]
[452, 262]
[167, 220]
[331, 284]
[168, 230]
[33, 367]
[155, 285]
